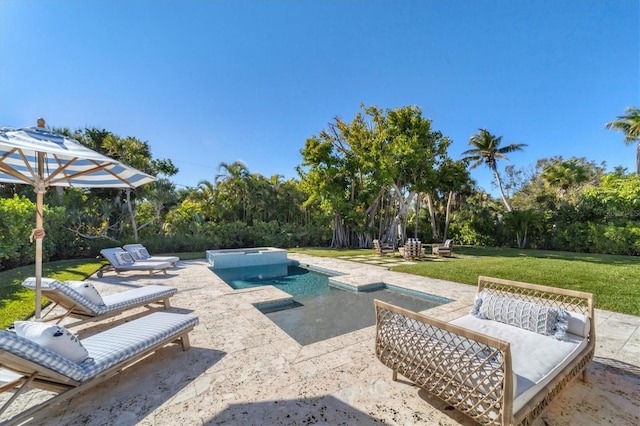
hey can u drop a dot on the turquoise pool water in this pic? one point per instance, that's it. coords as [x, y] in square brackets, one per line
[296, 281]
[320, 311]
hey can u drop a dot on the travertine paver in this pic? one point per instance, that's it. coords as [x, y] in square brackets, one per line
[244, 370]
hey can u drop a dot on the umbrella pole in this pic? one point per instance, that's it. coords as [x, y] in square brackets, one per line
[39, 213]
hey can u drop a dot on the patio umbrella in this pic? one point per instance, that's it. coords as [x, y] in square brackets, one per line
[42, 158]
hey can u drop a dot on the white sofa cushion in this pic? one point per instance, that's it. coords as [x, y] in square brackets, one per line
[536, 358]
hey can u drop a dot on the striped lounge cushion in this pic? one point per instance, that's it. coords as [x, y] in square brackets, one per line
[112, 302]
[107, 348]
[117, 344]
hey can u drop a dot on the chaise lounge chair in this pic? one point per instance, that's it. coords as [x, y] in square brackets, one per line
[121, 260]
[109, 352]
[141, 254]
[92, 307]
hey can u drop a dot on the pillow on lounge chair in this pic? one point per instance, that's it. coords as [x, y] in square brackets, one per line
[124, 257]
[87, 290]
[53, 337]
[142, 252]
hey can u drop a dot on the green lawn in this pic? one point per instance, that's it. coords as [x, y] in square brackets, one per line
[614, 280]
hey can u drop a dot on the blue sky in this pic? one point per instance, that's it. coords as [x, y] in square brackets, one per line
[205, 82]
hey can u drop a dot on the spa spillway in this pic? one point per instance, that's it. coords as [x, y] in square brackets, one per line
[235, 258]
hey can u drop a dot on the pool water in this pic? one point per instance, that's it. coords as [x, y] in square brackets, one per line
[292, 279]
[320, 311]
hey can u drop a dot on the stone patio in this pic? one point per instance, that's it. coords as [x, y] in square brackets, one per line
[243, 370]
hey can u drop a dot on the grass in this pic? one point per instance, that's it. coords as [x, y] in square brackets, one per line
[614, 280]
[18, 303]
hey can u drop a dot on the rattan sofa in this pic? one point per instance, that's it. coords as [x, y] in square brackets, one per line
[495, 372]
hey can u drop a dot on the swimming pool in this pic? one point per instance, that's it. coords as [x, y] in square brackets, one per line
[320, 310]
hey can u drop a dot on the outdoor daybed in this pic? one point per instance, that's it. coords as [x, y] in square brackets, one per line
[503, 363]
[47, 356]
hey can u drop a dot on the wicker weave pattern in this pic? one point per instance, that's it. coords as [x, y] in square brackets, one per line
[471, 371]
[462, 371]
[533, 294]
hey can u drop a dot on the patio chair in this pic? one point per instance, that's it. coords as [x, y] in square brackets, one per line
[121, 260]
[382, 249]
[79, 302]
[412, 249]
[140, 253]
[109, 352]
[444, 250]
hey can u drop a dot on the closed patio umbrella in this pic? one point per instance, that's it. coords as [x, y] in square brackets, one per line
[41, 158]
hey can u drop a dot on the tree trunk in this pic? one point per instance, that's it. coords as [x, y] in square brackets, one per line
[399, 221]
[432, 218]
[447, 219]
[134, 225]
[415, 221]
[504, 198]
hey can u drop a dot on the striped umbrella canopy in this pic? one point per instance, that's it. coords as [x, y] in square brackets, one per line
[41, 158]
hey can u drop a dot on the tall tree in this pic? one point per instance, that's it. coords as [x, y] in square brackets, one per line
[232, 182]
[629, 123]
[369, 170]
[487, 151]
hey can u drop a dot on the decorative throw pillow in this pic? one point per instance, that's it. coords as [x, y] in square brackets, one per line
[578, 324]
[142, 253]
[124, 257]
[528, 316]
[53, 337]
[87, 290]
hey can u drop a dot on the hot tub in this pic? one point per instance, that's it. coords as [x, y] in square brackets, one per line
[235, 258]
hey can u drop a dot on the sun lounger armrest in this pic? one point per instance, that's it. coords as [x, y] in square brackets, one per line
[470, 371]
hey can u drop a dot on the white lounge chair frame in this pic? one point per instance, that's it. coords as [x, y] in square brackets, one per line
[78, 306]
[115, 265]
[36, 375]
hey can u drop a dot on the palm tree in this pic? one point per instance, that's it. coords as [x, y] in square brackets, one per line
[565, 174]
[487, 151]
[629, 123]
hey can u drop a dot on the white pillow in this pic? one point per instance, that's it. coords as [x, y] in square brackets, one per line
[528, 316]
[53, 337]
[124, 257]
[142, 253]
[87, 290]
[578, 324]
